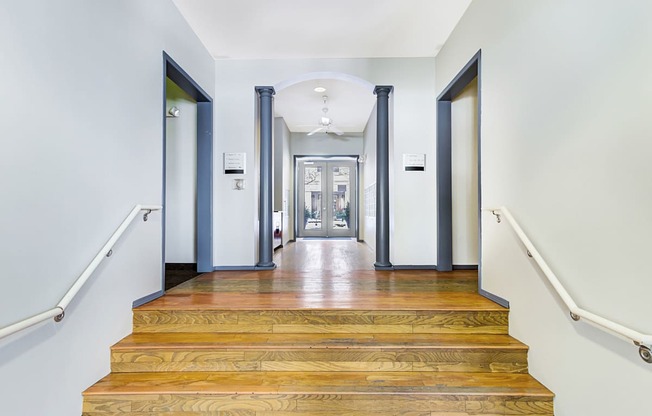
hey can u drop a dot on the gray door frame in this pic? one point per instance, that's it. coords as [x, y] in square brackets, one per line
[355, 197]
[174, 72]
[470, 71]
[327, 230]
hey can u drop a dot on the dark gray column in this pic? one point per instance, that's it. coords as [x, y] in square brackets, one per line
[382, 177]
[265, 238]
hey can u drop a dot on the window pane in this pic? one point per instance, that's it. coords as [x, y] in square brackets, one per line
[312, 205]
[341, 198]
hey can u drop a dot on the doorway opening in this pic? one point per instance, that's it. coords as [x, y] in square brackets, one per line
[467, 83]
[187, 176]
[327, 196]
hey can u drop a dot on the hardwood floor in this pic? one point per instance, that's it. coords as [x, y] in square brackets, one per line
[325, 254]
[322, 335]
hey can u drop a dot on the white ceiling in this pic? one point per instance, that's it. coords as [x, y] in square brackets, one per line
[296, 29]
[349, 105]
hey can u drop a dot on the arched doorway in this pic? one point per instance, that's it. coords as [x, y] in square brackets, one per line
[276, 196]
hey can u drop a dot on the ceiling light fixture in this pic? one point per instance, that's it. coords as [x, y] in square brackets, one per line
[320, 89]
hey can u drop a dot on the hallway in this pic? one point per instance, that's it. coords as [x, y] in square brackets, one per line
[325, 254]
[333, 273]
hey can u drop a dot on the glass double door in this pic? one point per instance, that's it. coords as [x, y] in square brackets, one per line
[327, 198]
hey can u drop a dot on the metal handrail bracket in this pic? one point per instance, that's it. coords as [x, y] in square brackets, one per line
[58, 312]
[643, 341]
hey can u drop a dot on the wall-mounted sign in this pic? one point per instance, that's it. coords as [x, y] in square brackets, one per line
[234, 163]
[414, 162]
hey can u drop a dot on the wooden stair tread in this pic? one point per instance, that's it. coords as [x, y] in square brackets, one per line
[364, 301]
[312, 383]
[215, 341]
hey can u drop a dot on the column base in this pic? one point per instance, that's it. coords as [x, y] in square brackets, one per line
[265, 266]
[383, 266]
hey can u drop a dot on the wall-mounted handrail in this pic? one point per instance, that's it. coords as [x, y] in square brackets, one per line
[643, 341]
[58, 312]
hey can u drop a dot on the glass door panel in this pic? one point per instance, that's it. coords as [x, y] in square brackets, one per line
[312, 190]
[341, 186]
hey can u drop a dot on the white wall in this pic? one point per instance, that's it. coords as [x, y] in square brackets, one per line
[565, 145]
[414, 132]
[181, 178]
[81, 136]
[322, 144]
[464, 175]
[368, 205]
[283, 176]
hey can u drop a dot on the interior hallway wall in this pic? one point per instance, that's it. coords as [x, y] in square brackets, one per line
[81, 145]
[565, 146]
[181, 178]
[414, 132]
[369, 182]
[464, 158]
[322, 144]
[283, 177]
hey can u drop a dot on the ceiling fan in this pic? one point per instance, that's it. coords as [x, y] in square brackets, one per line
[325, 122]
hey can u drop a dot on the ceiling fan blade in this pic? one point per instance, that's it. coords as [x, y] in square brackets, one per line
[317, 130]
[336, 130]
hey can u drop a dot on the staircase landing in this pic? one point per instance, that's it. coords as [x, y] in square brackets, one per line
[322, 343]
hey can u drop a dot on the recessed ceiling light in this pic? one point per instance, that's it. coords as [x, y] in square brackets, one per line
[320, 89]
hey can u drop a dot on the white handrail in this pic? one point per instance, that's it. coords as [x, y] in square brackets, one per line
[643, 341]
[59, 310]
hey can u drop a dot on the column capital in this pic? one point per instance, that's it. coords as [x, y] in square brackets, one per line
[265, 90]
[383, 89]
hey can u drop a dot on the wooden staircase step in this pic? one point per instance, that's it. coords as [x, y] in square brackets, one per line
[322, 321]
[279, 281]
[318, 352]
[322, 300]
[317, 393]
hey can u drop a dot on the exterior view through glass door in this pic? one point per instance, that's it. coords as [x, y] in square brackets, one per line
[327, 198]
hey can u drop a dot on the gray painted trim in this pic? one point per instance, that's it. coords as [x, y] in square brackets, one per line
[174, 72]
[233, 268]
[444, 188]
[415, 267]
[470, 71]
[296, 158]
[204, 187]
[462, 79]
[382, 177]
[272, 267]
[180, 77]
[465, 267]
[327, 238]
[384, 268]
[502, 302]
[444, 164]
[479, 132]
[148, 298]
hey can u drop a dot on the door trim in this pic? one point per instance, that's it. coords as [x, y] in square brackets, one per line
[173, 71]
[470, 71]
[356, 196]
